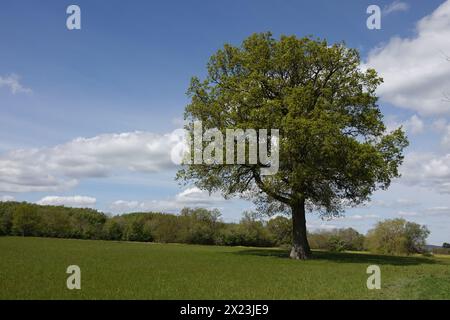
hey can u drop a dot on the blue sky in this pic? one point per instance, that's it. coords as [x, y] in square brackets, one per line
[76, 106]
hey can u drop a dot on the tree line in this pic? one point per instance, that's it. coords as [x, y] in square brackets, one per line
[201, 226]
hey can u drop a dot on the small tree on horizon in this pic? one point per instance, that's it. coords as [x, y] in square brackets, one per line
[397, 237]
[25, 220]
[335, 150]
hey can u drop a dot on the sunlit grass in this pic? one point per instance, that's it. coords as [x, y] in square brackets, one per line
[34, 268]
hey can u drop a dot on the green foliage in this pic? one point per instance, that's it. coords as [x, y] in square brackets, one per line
[251, 231]
[336, 244]
[333, 143]
[199, 226]
[6, 213]
[112, 230]
[28, 219]
[446, 245]
[397, 237]
[337, 240]
[25, 220]
[352, 239]
[281, 229]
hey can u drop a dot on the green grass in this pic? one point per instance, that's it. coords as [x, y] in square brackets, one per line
[34, 268]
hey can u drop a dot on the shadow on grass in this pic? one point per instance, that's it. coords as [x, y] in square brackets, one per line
[343, 257]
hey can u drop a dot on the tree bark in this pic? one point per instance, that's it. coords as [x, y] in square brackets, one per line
[300, 246]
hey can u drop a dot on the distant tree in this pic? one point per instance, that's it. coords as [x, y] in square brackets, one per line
[6, 213]
[25, 220]
[55, 222]
[199, 225]
[416, 236]
[352, 239]
[397, 237]
[113, 229]
[334, 146]
[335, 243]
[337, 240]
[320, 239]
[281, 229]
[446, 245]
[254, 231]
[134, 230]
[87, 223]
[165, 228]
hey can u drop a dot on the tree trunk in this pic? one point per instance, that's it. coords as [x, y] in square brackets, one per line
[300, 245]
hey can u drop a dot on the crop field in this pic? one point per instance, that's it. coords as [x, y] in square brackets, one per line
[35, 268]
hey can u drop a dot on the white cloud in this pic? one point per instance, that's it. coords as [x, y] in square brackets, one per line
[446, 137]
[427, 170]
[413, 125]
[397, 203]
[438, 211]
[191, 197]
[125, 206]
[6, 198]
[395, 7]
[408, 213]
[71, 201]
[415, 70]
[13, 84]
[358, 217]
[439, 125]
[61, 167]
[362, 217]
[320, 226]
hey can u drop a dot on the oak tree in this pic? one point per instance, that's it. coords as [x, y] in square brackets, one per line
[334, 149]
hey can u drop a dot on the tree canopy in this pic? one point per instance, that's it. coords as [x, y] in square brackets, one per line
[334, 149]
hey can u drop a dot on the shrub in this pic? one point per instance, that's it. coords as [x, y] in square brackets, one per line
[397, 237]
[25, 221]
[337, 240]
[281, 230]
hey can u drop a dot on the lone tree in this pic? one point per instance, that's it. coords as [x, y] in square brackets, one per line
[334, 150]
[397, 237]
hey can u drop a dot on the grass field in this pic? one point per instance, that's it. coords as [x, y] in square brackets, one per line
[34, 268]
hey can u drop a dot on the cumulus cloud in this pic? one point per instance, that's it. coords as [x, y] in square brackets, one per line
[413, 125]
[320, 226]
[439, 125]
[446, 137]
[191, 197]
[362, 217]
[408, 213]
[71, 201]
[438, 211]
[126, 206]
[395, 7]
[12, 82]
[427, 170]
[398, 203]
[61, 167]
[415, 70]
[6, 198]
